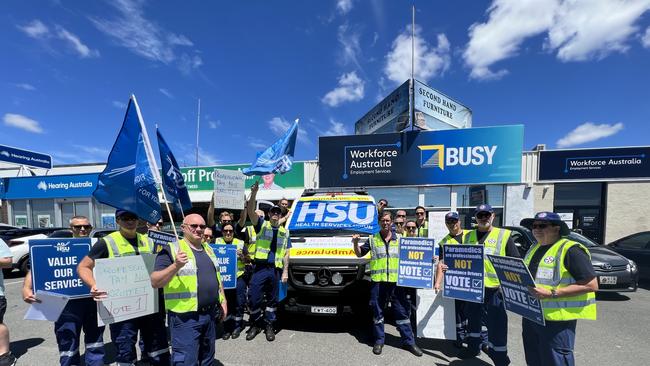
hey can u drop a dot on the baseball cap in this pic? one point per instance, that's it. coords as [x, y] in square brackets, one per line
[547, 216]
[275, 208]
[453, 215]
[483, 208]
[119, 213]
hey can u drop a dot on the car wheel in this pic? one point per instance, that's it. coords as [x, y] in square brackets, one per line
[24, 266]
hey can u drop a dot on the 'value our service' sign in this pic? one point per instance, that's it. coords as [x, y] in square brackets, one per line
[54, 265]
[416, 262]
[515, 280]
[458, 156]
[25, 157]
[227, 258]
[354, 213]
[464, 275]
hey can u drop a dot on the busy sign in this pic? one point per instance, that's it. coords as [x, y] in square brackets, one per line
[54, 265]
[464, 275]
[416, 257]
[612, 163]
[440, 111]
[227, 259]
[354, 213]
[465, 156]
[128, 287]
[515, 280]
[25, 157]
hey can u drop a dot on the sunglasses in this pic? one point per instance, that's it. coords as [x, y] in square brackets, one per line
[451, 221]
[79, 227]
[541, 226]
[483, 215]
[128, 218]
[227, 231]
[399, 223]
[411, 227]
[419, 213]
[196, 226]
[401, 215]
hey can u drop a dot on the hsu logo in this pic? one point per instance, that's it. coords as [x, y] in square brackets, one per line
[221, 251]
[62, 247]
[333, 212]
[437, 156]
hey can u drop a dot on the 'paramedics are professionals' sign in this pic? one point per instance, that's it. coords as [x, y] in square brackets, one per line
[625, 162]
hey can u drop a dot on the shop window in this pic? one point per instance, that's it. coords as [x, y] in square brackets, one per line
[19, 213]
[472, 196]
[437, 196]
[578, 194]
[43, 213]
[396, 197]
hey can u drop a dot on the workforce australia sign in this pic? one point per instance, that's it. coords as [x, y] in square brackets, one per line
[612, 163]
[467, 156]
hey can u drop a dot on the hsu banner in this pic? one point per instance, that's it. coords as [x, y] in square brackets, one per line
[227, 258]
[354, 213]
[416, 262]
[54, 265]
[515, 280]
[464, 275]
[462, 156]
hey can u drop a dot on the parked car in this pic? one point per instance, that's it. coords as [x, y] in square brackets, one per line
[615, 272]
[5, 227]
[637, 248]
[11, 234]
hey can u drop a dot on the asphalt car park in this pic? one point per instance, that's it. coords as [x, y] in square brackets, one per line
[618, 337]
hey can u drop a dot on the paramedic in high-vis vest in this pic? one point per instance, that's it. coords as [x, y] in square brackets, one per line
[126, 242]
[188, 272]
[496, 241]
[384, 259]
[565, 283]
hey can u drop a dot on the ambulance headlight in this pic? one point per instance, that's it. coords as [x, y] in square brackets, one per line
[337, 279]
[310, 278]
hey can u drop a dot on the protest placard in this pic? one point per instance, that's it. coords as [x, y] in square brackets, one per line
[416, 257]
[229, 189]
[54, 265]
[48, 307]
[227, 258]
[436, 315]
[128, 287]
[464, 276]
[160, 239]
[515, 280]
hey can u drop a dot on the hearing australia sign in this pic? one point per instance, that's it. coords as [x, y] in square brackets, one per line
[466, 156]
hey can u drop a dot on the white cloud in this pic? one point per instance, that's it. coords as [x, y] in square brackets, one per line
[279, 126]
[186, 155]
[588, 132]
[645, 40]
[349, 39]
[336, 129]
[74, 41]
[146, 38]
[93, 152]
[35, 29]
[256, 143]
[166, 93]
[344, 6]
[429, 61]
[214, 124]
[350, 89]
[22, 122]
[118, 104]
[25, 86]
[577, 30]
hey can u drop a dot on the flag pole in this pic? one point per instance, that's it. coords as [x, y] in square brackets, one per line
[198, 124]
[412, 81]
[152, 162]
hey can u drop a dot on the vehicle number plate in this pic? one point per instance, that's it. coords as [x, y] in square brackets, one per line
[323, 309]
[608, 280]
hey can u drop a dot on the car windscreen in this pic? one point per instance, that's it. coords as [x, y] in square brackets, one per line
[582, 240]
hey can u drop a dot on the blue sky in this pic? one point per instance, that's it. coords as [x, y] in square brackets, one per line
[575, 73]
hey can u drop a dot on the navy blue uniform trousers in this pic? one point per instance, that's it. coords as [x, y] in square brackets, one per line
[236, 299]
[264, 284]
[79, 314]
[497, 326]
[380, 293]
[153, 333]
[550, 345]
[193, 335]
